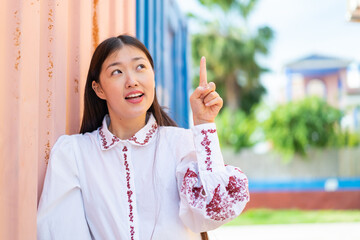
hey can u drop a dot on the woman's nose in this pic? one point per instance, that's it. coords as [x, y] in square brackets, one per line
[131, 81]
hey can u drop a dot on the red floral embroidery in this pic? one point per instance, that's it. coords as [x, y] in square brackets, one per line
[237, 188]
[103, 139]
[223, 203]
[190, 174]
[129, 193]
[196, 195]
[206, 142]
[148, 135]
[219, 208]
[238, 169]
[132, 232]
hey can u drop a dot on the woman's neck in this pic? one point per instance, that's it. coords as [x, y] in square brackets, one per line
[126, 128]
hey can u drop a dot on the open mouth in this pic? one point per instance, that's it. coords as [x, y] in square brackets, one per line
[135, 95]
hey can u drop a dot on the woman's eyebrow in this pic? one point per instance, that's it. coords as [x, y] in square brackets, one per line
[120, 63]
[137, 58]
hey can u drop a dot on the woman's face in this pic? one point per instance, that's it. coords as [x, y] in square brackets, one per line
[127, 83]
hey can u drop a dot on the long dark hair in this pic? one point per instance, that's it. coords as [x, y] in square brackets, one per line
[95, 108]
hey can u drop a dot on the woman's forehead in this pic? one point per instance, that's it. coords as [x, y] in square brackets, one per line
[125, 54]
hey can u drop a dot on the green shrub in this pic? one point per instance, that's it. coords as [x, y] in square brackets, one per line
[291, 128]
[295, 126]
[237, 129]
[345, 138]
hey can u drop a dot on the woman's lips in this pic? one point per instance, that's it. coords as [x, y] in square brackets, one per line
[134, 97]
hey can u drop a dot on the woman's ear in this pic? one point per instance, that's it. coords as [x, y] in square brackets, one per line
[98, 90]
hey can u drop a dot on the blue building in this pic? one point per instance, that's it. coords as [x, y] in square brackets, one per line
[163, 29]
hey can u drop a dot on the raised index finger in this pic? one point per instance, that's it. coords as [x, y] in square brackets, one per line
[203, 76]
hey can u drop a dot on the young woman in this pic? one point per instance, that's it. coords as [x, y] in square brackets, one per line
[131, 173]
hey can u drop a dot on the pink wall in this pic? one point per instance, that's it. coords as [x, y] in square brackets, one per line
[45, 53]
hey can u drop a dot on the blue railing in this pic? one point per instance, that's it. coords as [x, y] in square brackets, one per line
[324, 184]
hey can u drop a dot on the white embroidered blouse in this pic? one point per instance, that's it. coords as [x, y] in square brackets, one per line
[162, 183]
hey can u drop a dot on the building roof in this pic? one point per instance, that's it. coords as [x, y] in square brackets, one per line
[318, 62]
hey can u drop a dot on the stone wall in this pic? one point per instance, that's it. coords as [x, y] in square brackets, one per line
[342, 163]
[268, 170]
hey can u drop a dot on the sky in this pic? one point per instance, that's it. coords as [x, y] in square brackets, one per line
[302, 27]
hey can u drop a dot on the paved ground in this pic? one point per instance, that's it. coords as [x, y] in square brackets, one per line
[318, 231]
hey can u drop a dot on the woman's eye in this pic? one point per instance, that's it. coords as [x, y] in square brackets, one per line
[140, 66]
[115, 72]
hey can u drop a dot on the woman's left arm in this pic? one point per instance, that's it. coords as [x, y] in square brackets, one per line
[211, 193]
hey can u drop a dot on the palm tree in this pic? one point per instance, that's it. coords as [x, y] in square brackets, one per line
[231, 51]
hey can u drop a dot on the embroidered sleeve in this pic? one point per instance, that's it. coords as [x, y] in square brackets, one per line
[61, 211]
[211, 193]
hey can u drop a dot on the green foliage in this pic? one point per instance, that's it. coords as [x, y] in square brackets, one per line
[250, 97]
[345, 138]
[237, 129]
[292, 128]
[224, 4]
[232, 50]
[245, 7]
[295, 126]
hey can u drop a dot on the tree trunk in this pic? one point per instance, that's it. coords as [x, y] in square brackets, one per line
[232, 93]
